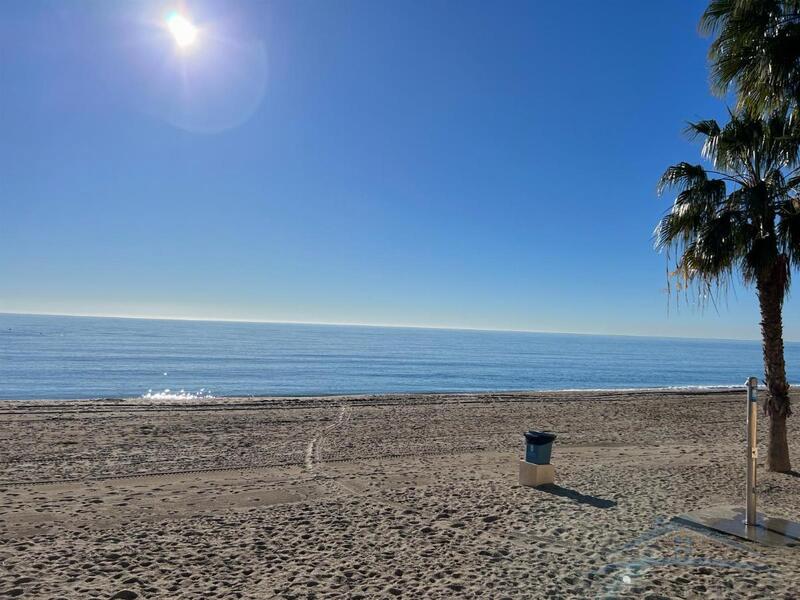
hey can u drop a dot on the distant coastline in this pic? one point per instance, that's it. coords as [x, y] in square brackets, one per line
[376, 326]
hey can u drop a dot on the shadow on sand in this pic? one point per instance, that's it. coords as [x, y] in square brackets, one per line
[563, 492]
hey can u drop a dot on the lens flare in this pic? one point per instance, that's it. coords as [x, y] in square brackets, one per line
[182, 30]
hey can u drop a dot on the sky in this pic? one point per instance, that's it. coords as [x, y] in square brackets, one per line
[447, 164]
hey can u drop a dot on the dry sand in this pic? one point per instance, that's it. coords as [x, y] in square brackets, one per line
[393, 496]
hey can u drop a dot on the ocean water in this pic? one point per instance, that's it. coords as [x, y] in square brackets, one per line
[85, 357]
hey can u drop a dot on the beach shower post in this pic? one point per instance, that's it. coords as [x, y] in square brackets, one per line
[745, 523]
[750, 517]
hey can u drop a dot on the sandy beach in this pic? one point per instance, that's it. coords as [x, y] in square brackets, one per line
[376, 497]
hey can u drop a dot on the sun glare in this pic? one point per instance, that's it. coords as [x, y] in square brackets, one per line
[182, 30]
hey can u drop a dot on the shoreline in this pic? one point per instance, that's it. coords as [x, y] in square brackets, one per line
[178, 399]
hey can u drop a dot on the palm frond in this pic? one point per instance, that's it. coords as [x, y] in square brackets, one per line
[756, 49]
[788, 230]
[740, 218]
[682, 176]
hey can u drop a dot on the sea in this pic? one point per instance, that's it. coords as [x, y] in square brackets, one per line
[58, 357]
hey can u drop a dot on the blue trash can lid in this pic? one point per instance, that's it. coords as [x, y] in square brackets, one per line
[539, 437]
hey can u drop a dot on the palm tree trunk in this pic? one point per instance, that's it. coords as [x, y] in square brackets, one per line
[777, 407]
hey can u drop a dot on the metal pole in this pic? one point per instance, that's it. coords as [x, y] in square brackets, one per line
[752, 452]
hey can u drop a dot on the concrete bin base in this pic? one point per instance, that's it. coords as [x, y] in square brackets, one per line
[533, 475]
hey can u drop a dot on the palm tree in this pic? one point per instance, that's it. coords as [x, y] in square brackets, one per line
[757, 51]
[742, 219]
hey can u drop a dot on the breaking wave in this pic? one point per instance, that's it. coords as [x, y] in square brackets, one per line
[179, 395]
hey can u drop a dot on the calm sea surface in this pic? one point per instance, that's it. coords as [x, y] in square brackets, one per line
[82, 357]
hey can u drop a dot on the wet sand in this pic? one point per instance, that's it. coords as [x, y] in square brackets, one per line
[381, 497]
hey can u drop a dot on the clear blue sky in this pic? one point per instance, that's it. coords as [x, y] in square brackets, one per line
[458, 164]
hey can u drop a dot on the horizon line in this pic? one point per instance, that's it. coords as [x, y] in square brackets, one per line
[374, 325]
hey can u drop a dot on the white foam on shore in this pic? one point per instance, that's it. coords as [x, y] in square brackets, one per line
[168, 394]
[665, 388]
[180, 395]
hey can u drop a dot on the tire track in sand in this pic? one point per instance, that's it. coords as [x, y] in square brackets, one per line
[314, 447]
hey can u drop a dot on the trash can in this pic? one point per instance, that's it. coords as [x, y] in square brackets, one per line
[538, 446]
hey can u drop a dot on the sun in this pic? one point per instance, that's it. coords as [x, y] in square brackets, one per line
[183, 31]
